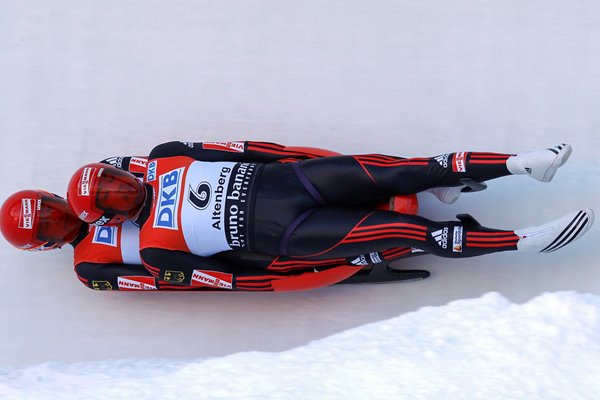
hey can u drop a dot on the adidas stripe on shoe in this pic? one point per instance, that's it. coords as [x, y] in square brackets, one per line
[556, 234]
[539, 164]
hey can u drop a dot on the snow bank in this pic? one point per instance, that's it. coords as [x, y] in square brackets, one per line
[485, 348]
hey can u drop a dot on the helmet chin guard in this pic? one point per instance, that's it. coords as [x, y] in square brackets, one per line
[101, 194]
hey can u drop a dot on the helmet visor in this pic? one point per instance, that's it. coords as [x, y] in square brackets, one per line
[119, 193]
[56, 224]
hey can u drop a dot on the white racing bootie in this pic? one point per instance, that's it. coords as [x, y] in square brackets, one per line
[553, 235]
[539, 164]
[447, 194]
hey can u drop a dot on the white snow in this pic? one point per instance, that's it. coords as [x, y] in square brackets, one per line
[485, 348]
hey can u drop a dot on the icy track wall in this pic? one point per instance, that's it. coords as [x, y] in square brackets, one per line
[83, 81]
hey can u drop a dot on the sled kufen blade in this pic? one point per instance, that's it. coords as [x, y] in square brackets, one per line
[382, 273]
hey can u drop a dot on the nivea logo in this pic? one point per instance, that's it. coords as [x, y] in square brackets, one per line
[200, 197]
[168, 201]
[151, 171]
[106, 235]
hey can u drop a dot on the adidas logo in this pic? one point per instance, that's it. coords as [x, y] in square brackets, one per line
[443, 160]
[115, 161]
[360, 260]
[441, 237]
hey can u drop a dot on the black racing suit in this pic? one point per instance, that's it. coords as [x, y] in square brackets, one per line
[317, 208]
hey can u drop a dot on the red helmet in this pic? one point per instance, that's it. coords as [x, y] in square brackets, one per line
[38, 220]
[101, 194]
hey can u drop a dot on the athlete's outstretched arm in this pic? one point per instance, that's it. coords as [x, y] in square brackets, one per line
[241, 151]
[181, 268]
[295, 265]
[114, 276]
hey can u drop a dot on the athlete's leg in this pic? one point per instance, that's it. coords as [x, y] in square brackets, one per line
[341, 232]
[354, 179]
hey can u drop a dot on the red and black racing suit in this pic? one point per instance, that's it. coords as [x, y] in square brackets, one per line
[107, 258]
[311, 209]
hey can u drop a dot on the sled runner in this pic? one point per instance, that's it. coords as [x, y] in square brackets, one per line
[383, 273]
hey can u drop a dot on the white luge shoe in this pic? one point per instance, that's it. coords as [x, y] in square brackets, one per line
[539, 164]
[447, 195]
[553, 235]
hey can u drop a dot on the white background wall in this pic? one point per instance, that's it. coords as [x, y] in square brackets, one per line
[83, 80]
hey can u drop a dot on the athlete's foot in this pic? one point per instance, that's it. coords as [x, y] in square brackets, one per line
[447, 195]
[539, 164]
[553, 235]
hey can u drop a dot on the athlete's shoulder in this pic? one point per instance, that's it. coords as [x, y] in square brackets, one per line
[169, 149]
[109, 244]
[203, 151]
[133, 164]
[99, 245]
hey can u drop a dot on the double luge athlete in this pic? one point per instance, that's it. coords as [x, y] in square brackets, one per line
[195, 205]
[107, 257]
[104, 257]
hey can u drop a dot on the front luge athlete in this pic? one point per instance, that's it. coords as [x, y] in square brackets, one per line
[107, 257]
